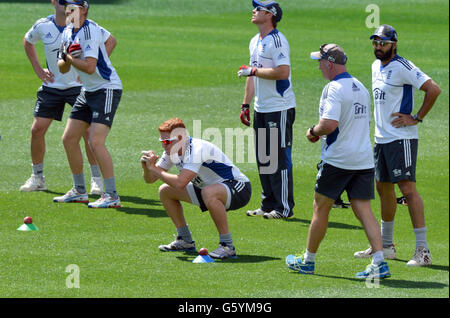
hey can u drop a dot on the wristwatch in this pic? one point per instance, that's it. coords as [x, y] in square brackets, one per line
[415, 117]
[311, 131]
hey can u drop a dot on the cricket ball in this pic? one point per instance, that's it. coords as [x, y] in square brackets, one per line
[203, 251]
[28, 220]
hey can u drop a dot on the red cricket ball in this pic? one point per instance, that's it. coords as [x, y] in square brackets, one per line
[28, 220]
[203, 251]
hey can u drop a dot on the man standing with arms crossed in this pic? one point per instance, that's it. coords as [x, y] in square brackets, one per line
[57, 90]
[396, 139]
[269, 81]
[347, 160]
[95, 106]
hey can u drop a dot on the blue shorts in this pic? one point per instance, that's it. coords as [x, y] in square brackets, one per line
[97, 107]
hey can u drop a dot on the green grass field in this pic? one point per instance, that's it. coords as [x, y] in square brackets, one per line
[179, 58]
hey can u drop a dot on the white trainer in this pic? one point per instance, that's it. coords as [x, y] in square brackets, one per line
[255, 212]
[34, 183]
[96, 185]
[106, 201]
[72, 196]
[388, 253]
[421, 257]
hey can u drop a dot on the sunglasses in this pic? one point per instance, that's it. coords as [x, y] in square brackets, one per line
[260, 8]
[168, 141]
[72, 7]
[381, 42]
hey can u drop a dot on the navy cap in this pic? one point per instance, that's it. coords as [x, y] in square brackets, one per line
[273, 6]
[82, 3]
[386, 32]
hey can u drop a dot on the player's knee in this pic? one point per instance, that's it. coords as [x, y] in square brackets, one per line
[38, 130]
[209, 196]
[163, 190]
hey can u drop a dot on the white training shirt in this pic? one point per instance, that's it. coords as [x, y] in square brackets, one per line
[205, 159]
[271, 51]
[346, 100]
[47, 31]
[393, 89]
[91, 38]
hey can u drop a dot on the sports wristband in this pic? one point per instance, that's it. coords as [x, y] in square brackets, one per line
[311, 131]
[245, 106]
[415, 117]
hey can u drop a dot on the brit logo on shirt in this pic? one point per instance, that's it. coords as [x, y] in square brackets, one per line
[378, 94]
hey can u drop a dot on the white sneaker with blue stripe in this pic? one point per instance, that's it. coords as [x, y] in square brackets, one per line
[105, 201]
[72, 196]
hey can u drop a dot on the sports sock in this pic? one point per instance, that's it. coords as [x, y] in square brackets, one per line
[377, 257]
[185, 233]
[95, 171]
[38, 170]
[226, 239]
[309, 257]
[421, 237]
[110, 187]
[387, 233]
[78, 182]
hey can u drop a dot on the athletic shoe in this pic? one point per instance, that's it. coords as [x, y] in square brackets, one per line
[339, 204]
[402, 201]
[72, 196]
[388, 253]
[34, 183]
[276, 215]
[297, 264]
[105, 201]
[255, 212]
[179, 245]
[421, 257]
[223, 251]
[375, 271]
[96, 185]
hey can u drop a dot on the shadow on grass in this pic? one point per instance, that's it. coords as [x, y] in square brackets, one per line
[394, 283]
[139, 200]
[242, 258]
[335, 225]
[437, 267]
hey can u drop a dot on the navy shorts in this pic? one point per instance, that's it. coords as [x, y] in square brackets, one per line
[396, 161]
[332, 181]
[97, 107]
[239, 194]
[50, 101]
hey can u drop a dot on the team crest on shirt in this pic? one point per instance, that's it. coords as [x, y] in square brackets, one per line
[389, 74]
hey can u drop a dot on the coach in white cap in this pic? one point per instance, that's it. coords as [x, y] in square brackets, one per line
[394, 80]
[347, 160]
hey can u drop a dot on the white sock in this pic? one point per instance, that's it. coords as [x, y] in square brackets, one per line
[387, 233]
[309, 257]
[377, 257]
[421, 237]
